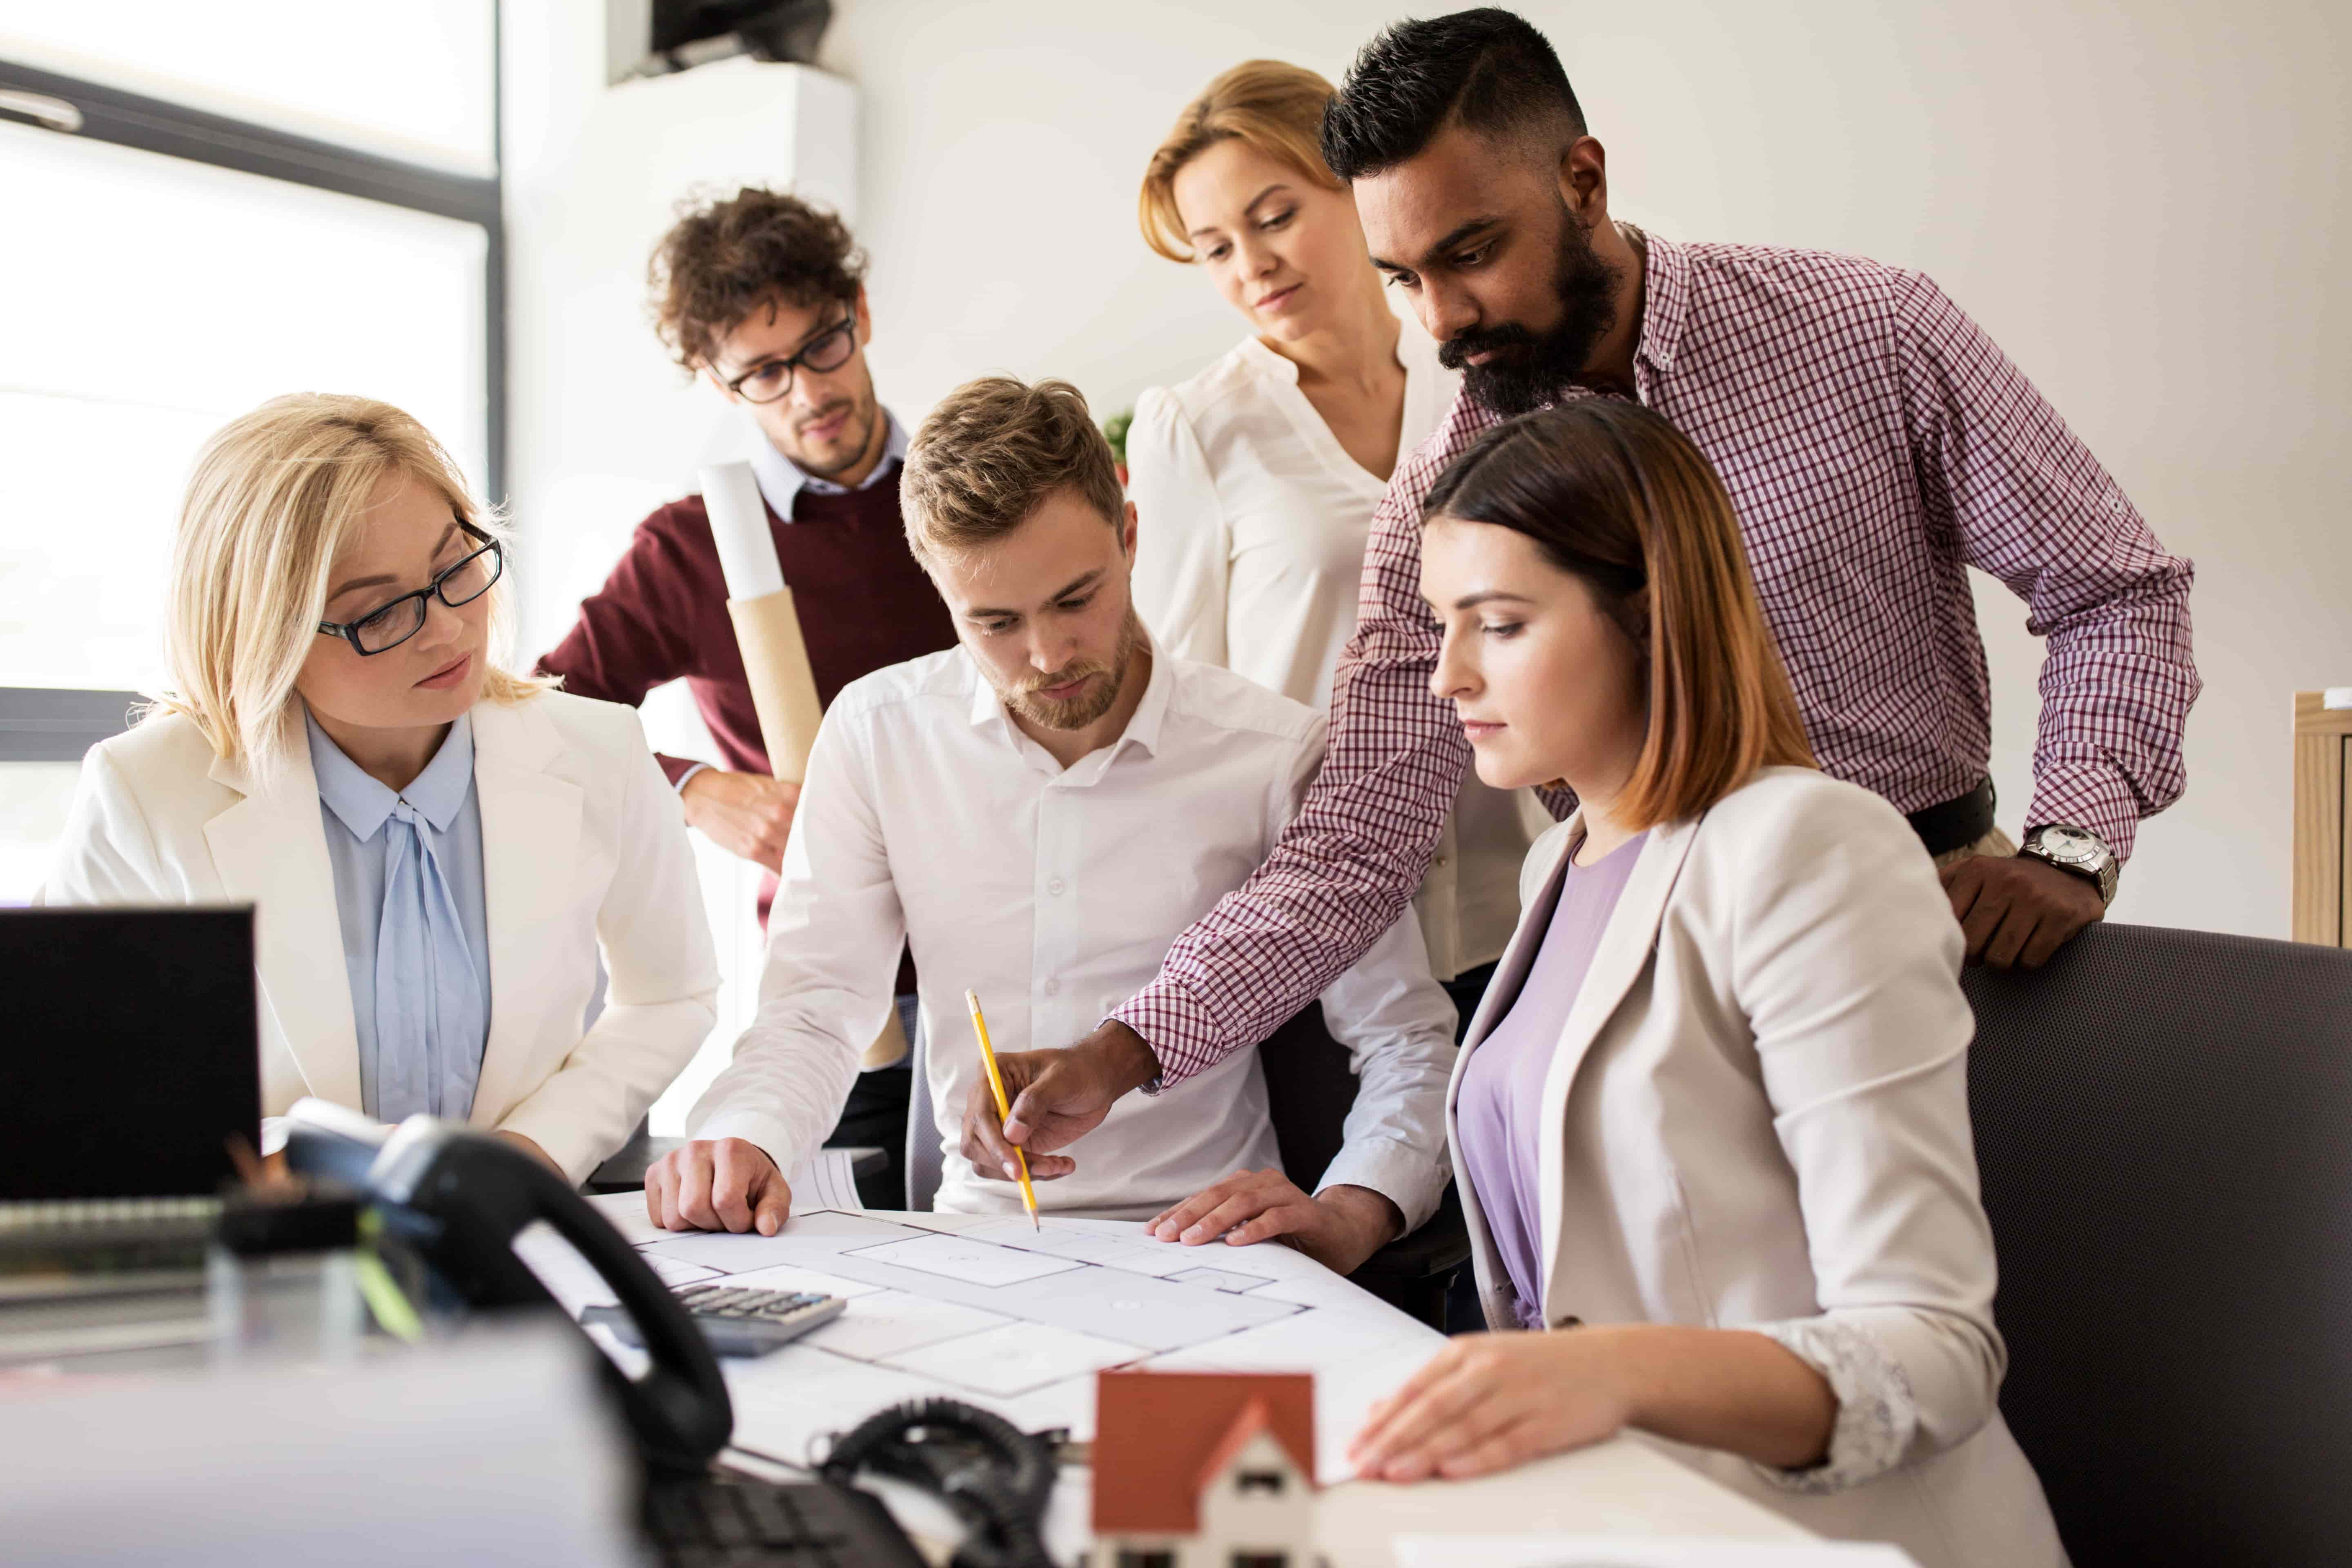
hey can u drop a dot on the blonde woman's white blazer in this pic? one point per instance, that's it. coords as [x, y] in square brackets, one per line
[1758, 1114]
[583, 851]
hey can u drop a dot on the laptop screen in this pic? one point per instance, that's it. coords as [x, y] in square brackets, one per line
[131, 1054]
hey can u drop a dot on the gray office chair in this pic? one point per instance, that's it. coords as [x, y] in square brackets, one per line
[2164, 1126]
[924, 1160]
[1310, 1088]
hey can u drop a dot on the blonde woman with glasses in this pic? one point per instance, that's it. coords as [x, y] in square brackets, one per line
[437, 851]
[1255, 481]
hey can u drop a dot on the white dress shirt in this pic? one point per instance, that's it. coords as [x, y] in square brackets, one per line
[929, 816]
[1252, 521]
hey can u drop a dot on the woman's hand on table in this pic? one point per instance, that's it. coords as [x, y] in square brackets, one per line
[1487, 1402]
[1338, 1227]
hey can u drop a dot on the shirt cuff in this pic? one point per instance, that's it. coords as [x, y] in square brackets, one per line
[1405, 1176]
[773, 1137]
[1876, 1415]
[2085, 795]
[1179, 1031]
[678, 782]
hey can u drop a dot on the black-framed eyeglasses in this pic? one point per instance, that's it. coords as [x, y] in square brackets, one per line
[395, 623]
[771, 378]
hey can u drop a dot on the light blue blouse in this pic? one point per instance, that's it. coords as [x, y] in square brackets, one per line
[415, 926]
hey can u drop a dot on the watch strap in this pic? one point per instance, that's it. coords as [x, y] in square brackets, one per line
[2103, 876]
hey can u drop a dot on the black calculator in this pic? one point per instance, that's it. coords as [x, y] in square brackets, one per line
[735, 1320]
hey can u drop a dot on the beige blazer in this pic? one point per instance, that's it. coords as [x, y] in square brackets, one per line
[1758, 1114]
[583, 852]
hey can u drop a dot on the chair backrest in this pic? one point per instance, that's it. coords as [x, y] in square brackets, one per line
[1310, 1087]
[2164, 1125]
[924, 1161]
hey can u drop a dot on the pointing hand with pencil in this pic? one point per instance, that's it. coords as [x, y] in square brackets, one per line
[1020, 1167]
[1053, 1099]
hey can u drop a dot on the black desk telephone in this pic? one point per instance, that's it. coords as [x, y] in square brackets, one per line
[456, 1200]
[459, 1199]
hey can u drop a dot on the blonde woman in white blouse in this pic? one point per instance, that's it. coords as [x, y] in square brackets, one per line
[1255, 481]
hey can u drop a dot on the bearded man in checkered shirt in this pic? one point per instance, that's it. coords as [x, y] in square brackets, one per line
[1875, 442]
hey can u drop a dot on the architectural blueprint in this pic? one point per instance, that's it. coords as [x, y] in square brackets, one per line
[984, 1310]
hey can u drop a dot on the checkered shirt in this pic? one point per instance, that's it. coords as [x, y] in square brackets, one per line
[1876, 443]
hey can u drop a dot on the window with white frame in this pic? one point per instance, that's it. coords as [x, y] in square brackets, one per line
[210, 205]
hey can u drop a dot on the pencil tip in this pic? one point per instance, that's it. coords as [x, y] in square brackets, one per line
[1035, 1225]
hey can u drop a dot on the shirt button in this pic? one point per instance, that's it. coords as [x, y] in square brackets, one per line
[1053, 988]
[1439, 861]
[1056, 887]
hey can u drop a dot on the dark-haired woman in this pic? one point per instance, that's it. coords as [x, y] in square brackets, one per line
[1711, 1123]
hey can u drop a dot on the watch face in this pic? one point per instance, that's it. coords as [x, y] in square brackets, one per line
[2069, 844]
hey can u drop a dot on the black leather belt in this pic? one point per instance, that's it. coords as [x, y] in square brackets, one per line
[1956, 823]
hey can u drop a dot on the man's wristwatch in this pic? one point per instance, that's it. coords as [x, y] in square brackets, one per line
[2075, 849]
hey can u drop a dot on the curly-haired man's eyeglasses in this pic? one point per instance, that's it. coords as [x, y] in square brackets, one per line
[772, 378]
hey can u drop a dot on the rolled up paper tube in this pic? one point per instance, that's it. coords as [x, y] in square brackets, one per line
[775, 655]
[767, 629]
[783, 692]
[739, 526]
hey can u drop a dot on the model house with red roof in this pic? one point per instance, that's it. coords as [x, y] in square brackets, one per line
[1203, 1470]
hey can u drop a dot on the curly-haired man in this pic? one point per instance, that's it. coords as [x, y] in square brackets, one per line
[762, 296]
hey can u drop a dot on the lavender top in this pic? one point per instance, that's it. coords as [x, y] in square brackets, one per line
[1500, 1105]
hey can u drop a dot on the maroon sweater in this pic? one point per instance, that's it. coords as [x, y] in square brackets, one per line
[662, 614]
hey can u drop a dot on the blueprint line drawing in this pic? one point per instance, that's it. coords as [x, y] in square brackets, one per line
[1224, 1279]
[984, 1308]
[979, 1262]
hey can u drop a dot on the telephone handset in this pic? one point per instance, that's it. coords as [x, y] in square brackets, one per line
[459, 1199]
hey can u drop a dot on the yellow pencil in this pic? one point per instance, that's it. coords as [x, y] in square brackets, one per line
[1003, 1107]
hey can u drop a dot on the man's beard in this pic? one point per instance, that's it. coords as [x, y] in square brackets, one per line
[1096, 701]
[865, 414]
[1531, 370]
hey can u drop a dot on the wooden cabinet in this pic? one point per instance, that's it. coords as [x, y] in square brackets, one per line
[2323, 821]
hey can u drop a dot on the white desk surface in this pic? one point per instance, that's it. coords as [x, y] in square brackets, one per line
[1625, 1487]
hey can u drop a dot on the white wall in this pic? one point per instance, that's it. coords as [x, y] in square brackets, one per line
[2144, 204]
[602, 426]
[2141, 204]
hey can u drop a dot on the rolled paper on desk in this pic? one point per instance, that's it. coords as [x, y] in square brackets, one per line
[775, 655]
